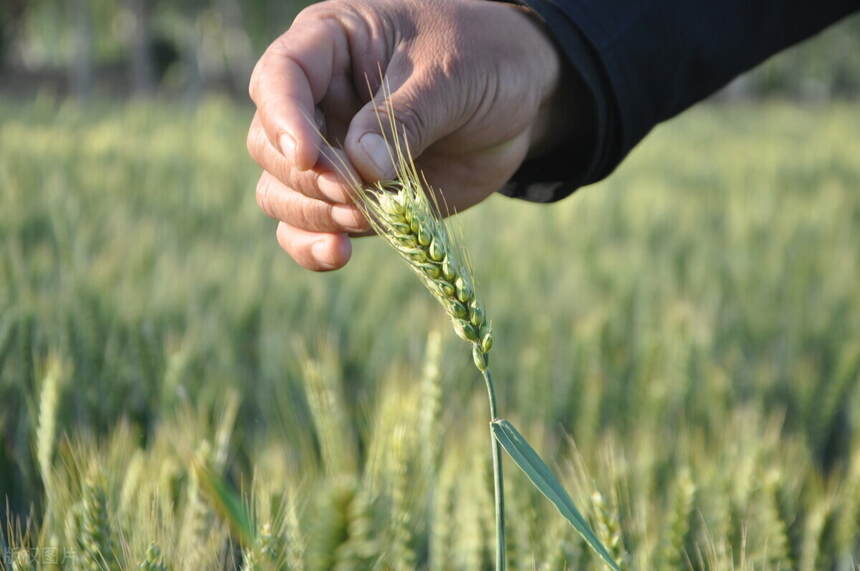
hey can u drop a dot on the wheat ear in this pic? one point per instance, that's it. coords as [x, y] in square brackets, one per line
[608, 527]
[404, 212]
[678, 525]
[95, 531]
[47, 426]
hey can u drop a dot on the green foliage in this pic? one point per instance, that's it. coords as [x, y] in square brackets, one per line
[682, 339]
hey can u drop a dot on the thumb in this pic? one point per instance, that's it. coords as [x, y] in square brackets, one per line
[417, 113]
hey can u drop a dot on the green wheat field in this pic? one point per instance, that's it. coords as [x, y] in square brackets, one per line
[681, 343]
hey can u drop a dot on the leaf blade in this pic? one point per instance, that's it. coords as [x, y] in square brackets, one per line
[227, 503]
[536, 470]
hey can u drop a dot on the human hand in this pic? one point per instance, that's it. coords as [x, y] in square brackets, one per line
[475, 85]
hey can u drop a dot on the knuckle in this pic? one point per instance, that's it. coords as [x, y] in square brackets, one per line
[306, 182]
[306, 13]
[315, 11]
[411, 121]
[281, 169]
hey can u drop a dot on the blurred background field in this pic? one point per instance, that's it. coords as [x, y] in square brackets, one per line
[690, 326]
[187, 48]
[681, 342]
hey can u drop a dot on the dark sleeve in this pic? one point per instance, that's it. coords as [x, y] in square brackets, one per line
[645, 61]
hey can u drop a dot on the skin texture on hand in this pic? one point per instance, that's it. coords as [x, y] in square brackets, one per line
[475, 86]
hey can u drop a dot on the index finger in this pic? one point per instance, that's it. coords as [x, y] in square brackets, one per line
[291, 77]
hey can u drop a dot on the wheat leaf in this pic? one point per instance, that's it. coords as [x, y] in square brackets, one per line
[227, 503]
[543, 479]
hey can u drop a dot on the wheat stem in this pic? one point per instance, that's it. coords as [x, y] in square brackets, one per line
[498, 479]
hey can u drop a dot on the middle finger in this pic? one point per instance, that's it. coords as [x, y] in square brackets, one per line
[296, 209]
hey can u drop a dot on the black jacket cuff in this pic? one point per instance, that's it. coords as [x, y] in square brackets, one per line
[557, 174]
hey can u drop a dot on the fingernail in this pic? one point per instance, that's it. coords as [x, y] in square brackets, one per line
[377, 150]
[322, 254]
[331, 187]
[347, 217]
[288, 146]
